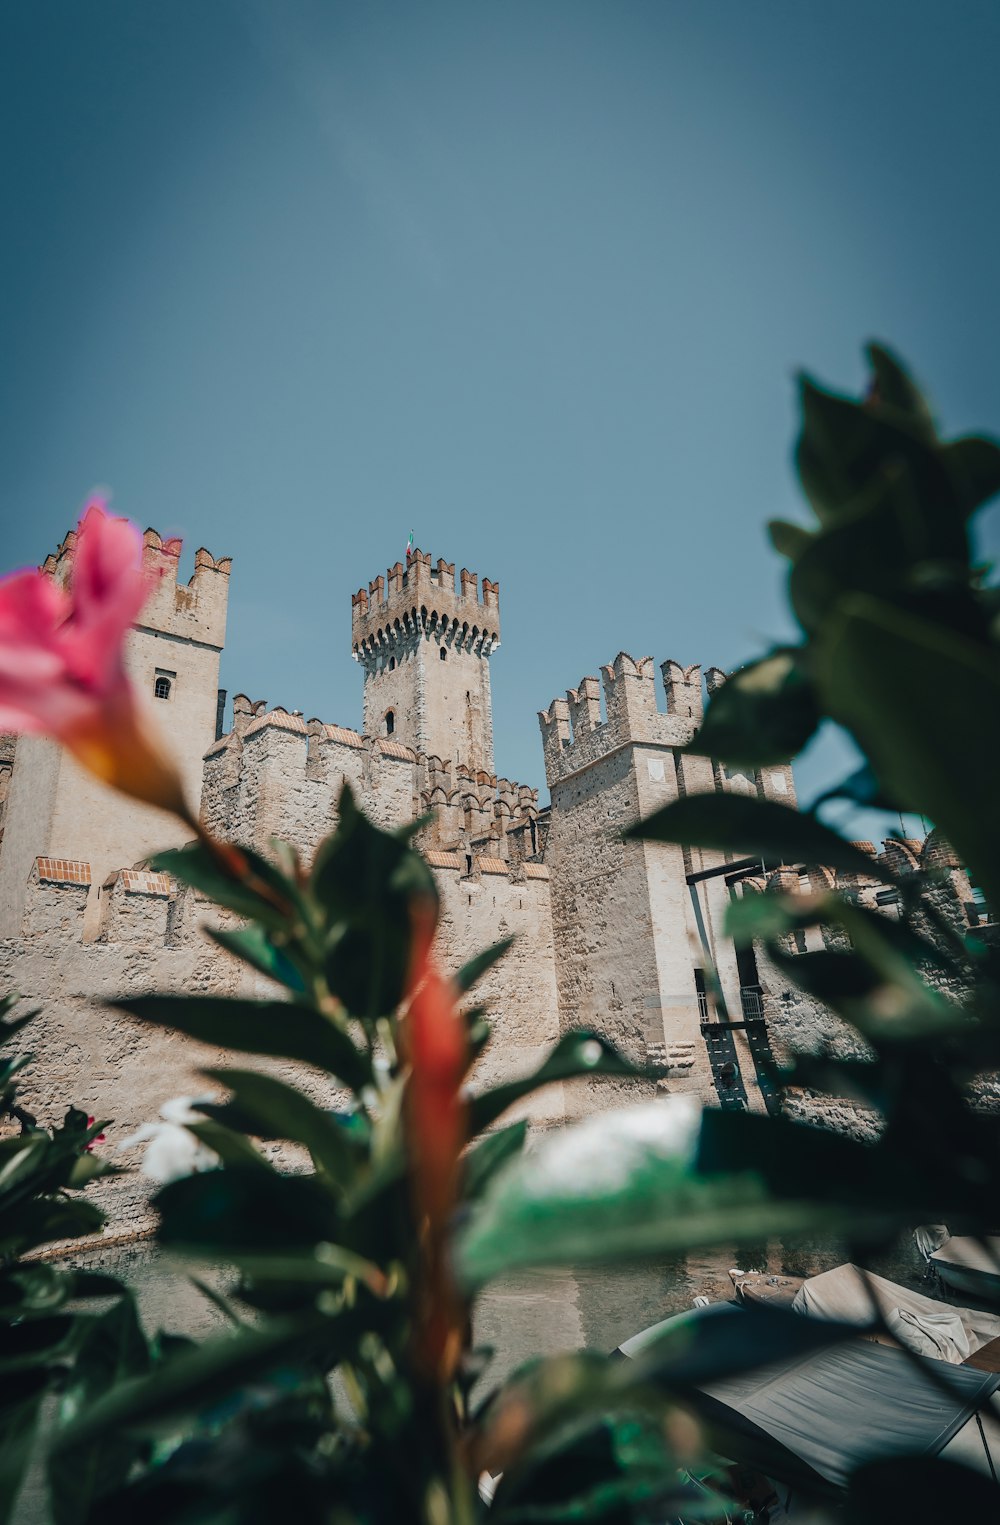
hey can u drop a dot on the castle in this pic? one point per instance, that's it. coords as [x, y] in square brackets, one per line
[610, 934]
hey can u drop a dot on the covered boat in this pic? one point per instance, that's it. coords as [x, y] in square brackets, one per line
[921, 1323]
[971, 1266]
[811, 1420]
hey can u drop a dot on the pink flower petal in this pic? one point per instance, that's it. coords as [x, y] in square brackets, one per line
[109, 588]
[32, 610]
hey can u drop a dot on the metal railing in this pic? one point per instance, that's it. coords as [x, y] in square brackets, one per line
[752, 1002]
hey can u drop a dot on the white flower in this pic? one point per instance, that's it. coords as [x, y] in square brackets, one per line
[172, 1151]
[601, 1153]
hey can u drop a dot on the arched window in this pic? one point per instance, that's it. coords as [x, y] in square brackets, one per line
[390, 722]
[161, 688]
[444, 655]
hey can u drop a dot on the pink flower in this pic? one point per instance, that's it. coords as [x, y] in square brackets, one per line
[62, 669]
[97, 1139]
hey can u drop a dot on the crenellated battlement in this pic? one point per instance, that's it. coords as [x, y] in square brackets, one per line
[622, 706]
[420, 599]
[195, 609]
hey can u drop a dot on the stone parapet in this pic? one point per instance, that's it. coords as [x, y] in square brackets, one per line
[575, 735]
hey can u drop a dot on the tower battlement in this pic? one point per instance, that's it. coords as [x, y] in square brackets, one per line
[575, 732]
[419, 595]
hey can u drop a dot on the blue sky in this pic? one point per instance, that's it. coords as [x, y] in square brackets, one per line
[532, 279]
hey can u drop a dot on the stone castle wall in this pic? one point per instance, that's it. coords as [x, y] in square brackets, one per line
[151, 937]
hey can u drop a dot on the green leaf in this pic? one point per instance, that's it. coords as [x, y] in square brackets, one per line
[833, 977]
[359, 865]
[860, 787]
[575, 1055]
[478, 1032]
[325, 1265]
[192, 1379]
[88, 1284]
[281, 1111]
[482, 1162]
[262, 893]
[847, 447]
[788, 539]
[36, 1342]
[280, 1029]
[922, 1490]
[477, 967]
[619, 1186]
[891, 949]
[19, 1416]
[253, 945]
[879, 668]
[760, 916]
[797, 1161]
[112, 1350]
[31, 1289]
[368, 882]
[46, 1220]
[222, 1211]
[974, 467]
[763, 714]
[895, 392]
[234, 1149]
[736, 823]
[692, 1349]
[889, 542]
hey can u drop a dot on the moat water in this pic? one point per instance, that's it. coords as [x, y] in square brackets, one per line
[520, 1316]
[528, 1314]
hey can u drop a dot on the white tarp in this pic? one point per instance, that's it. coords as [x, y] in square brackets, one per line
[922, 1323]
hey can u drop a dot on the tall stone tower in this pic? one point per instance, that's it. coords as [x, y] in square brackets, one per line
[632, 919]
[56, 811]
[425, 649]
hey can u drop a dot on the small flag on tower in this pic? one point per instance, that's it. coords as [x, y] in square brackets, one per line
[409, 546]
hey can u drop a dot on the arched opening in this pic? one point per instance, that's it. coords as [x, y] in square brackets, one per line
[161, 688]
[444, 655]
[390, 722]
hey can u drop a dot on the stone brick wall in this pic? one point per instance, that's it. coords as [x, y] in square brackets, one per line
[151, 937]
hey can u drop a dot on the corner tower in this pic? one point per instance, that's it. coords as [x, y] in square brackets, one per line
[425, 647]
